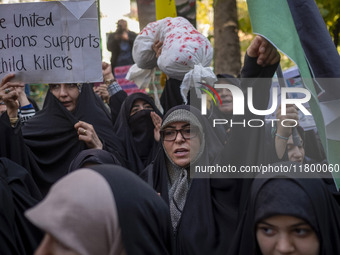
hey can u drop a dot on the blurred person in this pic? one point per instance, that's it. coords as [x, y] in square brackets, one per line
[120, 44]
[101, 90]
[115, 92]
[244, 143]
[282, 143]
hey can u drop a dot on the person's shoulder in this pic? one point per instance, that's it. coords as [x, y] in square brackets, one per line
[133, 34]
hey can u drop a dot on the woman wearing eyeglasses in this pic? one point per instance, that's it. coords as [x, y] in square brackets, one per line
[203, 210]
[72, 119]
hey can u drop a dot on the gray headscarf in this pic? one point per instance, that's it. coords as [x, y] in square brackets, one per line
[179, 181]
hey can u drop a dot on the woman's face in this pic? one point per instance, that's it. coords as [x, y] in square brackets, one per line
[227, 100]
[181, 150]
[295, 153]
[138, 105]
[67, 94]
[283, 234]
[50, 246]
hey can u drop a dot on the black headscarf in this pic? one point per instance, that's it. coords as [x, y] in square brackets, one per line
[136, 133]
[171, 95]
[51, 139]
[94, 157]
[210, 213]
[308, 199]
[18, 192]
[143, 217]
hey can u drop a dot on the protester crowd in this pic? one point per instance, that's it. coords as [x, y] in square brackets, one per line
[96, 171]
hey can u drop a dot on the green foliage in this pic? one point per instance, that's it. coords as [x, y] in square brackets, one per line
[330, 11]
[205, 17]
[243, 17]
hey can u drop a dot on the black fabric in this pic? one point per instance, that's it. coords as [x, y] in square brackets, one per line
[115, 104]
[314, 35]
[246, 144]
[324, 208]
[171, 95]
[136, 133]
[138, 123]
[318, 46]
[12, 144]
[18, 192]
[143, 217]
[313, 146]
[223, 132]
[283, 197]
[52, 141]
[93, 157]
[210, 213]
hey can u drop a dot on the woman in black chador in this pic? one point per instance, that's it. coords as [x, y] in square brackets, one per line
[72, 119]
[197, 205]
[204, 210]
[136, 129]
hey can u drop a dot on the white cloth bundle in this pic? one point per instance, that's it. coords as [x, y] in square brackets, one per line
[186, 53]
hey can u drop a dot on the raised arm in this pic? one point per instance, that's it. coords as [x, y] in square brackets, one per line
[9, 93]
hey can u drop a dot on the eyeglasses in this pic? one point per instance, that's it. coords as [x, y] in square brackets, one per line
[171, 134]
[68, 86]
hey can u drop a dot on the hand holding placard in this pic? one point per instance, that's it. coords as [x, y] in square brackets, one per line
[50, 42]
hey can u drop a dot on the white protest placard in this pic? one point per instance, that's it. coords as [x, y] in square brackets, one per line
[50, 42]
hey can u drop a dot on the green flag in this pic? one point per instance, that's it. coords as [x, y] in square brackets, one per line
[274, 21]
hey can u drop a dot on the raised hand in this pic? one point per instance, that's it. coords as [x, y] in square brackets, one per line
[9, 93]
[265, 52]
